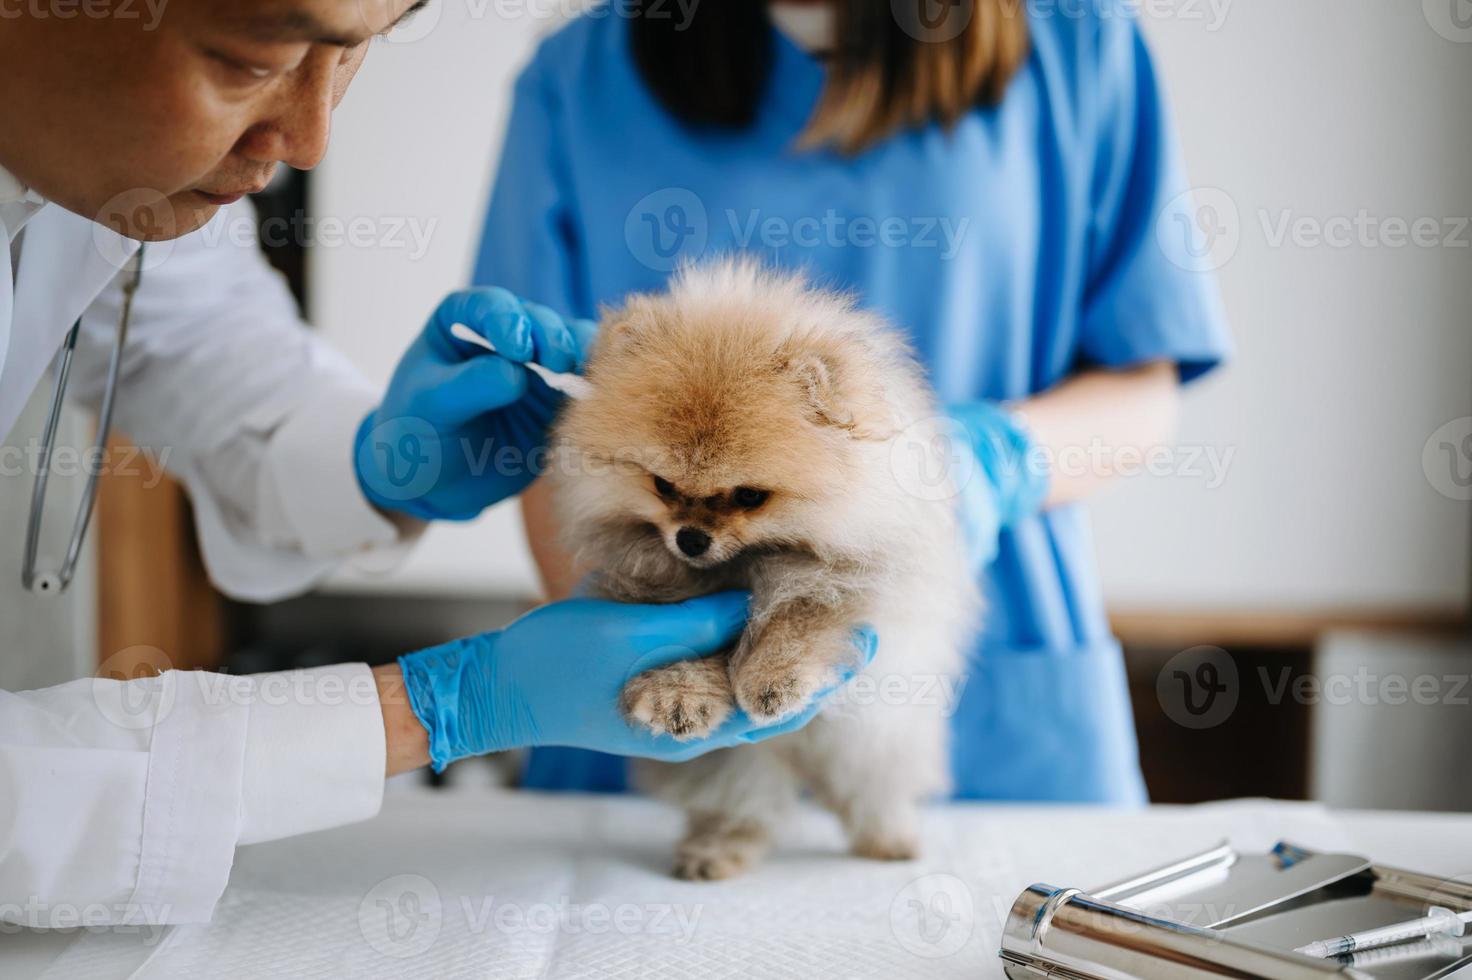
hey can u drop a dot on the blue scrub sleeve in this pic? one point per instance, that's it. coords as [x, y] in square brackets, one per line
[1151, 292]
[529, 243]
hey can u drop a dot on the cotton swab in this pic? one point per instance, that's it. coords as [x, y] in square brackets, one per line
[571, 385]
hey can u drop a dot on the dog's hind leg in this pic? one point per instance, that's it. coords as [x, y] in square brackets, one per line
[717, 846]
[873, 768]
[731, 798]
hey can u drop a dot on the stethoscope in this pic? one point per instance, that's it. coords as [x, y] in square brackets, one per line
[56, 582]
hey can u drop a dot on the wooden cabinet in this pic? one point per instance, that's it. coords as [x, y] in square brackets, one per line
[156, 607]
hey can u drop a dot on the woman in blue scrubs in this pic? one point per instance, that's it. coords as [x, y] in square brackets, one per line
[1006, 188]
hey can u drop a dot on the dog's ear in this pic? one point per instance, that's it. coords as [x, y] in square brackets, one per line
[822, 399]
[615, 326]
[843, 394]
[620, 327]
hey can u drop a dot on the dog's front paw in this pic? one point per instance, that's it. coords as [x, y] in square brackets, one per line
[772, 685]
[687, 700]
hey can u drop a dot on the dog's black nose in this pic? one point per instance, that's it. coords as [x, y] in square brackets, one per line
[692, 541]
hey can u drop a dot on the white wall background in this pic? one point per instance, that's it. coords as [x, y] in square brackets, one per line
[1390, 717]
[1349, 357]
[417, 138]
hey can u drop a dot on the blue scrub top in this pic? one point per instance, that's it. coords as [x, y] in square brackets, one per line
[1035, 239]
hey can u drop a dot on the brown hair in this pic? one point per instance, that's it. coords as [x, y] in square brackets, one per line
[891, 68]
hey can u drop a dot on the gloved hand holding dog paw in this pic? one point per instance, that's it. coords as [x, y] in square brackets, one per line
[461, 428]
[554, 677]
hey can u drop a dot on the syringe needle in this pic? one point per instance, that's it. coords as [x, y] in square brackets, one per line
[1437, 921]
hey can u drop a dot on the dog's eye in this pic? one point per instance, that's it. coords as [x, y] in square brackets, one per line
[749, 498]
[664, 487]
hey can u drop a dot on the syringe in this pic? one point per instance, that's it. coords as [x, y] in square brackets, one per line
[1437, 921]
[1370, 959]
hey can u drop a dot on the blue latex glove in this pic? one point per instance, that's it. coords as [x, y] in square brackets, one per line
[554, 677]
[1010, 481]
[461, 428]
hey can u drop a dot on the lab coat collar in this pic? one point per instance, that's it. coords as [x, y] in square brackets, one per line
[11, 189]
[18, 204]
[65, 262]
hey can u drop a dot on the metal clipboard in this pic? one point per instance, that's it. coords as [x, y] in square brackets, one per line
[1222, 913]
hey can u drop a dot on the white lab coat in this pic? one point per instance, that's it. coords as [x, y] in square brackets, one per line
[130, 797]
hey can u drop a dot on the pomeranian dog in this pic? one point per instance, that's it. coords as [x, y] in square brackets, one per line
[746, 430]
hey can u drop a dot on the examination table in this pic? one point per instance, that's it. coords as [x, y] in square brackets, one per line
[492, 884]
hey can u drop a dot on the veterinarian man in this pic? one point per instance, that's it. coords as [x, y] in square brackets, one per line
[132, 795]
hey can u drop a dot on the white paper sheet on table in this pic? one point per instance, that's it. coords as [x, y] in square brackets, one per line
[519, 885]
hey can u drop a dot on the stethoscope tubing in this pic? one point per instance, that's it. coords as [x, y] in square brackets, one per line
[59, 581]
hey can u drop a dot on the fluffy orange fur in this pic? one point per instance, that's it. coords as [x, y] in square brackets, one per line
[747, 430]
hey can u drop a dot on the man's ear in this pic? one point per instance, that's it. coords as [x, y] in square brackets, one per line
[834, 398]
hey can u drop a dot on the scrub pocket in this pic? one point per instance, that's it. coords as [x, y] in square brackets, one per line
[1046, 724]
